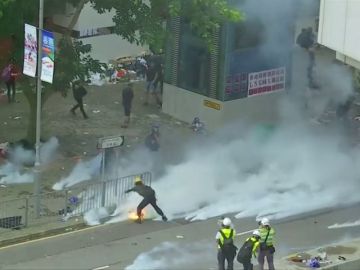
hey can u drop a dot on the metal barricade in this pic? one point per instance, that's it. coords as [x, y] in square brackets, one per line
[83, 198]
[14, 214]
[75, 201]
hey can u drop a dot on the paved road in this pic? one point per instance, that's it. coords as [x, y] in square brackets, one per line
[118, 245]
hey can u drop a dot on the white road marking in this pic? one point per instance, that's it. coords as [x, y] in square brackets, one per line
[247, 232]
[53, 236]
[101, 267]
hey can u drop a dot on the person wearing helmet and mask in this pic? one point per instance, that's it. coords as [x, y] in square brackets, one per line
[149, 198]
[249, 250]
[226, 248]
[197, 126]
[267, 249]
[152, 141]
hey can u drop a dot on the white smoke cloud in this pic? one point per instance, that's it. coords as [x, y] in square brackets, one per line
[83, 171]
[295, 171]
[10, 174]
[345, 225]
[12, 171]
[94, 216]
[170, 255]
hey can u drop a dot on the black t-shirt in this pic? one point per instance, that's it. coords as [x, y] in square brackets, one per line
[150, 74]
[127, 96]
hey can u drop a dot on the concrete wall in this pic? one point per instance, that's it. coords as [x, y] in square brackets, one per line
[185, 105]
[339, 26]
[257, 109]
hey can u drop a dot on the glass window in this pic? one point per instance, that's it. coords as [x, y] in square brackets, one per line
[194, 62]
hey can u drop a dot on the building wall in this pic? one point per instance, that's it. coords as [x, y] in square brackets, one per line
[339, 27]
[185, 105]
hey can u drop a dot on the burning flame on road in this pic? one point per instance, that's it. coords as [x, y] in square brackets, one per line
[133, 215]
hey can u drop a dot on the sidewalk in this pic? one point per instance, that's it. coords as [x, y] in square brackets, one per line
[45, 227]
[349, 254]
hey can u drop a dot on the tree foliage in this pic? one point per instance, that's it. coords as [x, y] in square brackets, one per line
[138, 21]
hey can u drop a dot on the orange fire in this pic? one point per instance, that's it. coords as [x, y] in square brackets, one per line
[133, 215]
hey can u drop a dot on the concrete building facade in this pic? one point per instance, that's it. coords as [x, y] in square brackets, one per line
[246, 75]
[339, 23]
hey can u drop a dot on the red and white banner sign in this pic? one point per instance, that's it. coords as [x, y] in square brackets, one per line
[267, 81]
[30, 51]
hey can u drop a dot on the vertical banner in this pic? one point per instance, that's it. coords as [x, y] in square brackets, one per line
[30, 51]
[47, 57]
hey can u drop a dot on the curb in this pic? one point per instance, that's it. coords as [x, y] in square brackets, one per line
[40, 235]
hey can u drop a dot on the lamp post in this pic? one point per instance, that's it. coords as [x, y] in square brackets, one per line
[37, 172]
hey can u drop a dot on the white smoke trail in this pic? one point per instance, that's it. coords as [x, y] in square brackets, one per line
[94, 216]
[345, 225]
[170, 255]
[11, 172]
[83, 171]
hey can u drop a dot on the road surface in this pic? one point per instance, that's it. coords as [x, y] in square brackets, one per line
[116, 246]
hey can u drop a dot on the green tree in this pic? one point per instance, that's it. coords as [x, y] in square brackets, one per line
[138, 21]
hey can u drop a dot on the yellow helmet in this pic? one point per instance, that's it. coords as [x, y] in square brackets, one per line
[137, 180]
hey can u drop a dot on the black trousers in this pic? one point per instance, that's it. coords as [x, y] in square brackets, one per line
[221, 256]
[145, 202]
[80, 105]
[248, 265]
[11, 91]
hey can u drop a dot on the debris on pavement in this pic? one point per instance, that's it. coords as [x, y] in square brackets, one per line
[153, 116]
[17, 117]
[96, 111]
[313, 263]
[180, 237]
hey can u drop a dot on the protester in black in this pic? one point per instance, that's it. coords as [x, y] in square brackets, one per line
[149, 198]
[152, 74]
[127, 97]
[79, 92]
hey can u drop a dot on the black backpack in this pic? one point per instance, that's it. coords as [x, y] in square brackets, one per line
[245, 252]
[228, 243]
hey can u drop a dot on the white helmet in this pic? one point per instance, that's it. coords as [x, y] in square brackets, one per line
[265, 222]
[256, 232]
[226, 221]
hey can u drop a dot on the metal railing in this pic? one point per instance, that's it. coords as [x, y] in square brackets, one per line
[14, 214]
[109, 193]
[74, 201]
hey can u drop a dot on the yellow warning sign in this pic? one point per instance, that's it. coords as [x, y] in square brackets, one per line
[212, 105]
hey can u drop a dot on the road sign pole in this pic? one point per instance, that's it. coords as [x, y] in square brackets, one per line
[106, 143]
[37, 173]
[103, 178]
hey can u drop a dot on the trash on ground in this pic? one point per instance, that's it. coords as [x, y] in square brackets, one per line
[17, 117]
[153, 116]
[313, 263]
[180, 237]
[96, 111]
